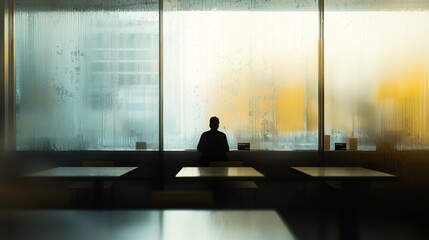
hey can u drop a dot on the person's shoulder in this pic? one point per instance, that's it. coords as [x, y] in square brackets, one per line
[221, 133]
[205, 133]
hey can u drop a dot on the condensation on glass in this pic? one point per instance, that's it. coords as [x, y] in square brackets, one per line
[253, 64]
[376, 73]
[87, 74]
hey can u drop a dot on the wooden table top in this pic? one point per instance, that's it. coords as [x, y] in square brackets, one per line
[219, 172]
[343, 173]
[82, 172]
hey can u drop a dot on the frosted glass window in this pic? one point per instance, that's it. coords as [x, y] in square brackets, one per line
[87, 75]
[253, 64]
[376, 73]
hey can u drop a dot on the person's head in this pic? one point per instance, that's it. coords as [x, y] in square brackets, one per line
[214, 123]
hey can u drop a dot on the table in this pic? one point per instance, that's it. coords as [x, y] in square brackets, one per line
[350, 177]
[214, 179]
[96, 174]
[88, 173]
[143, 224]
[218, 172]
[344, 173]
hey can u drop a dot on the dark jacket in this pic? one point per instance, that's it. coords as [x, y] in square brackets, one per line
[213, 145]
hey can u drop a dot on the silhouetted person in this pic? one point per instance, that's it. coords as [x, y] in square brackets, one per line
[213, 144]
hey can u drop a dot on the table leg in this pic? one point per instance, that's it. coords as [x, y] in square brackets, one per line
[98, 193]
[348, 216]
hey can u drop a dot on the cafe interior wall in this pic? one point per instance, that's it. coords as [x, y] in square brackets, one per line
[411, 166]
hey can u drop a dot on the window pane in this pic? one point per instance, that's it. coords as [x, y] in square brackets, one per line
[376, 73]
[252, 64]
[87, 74]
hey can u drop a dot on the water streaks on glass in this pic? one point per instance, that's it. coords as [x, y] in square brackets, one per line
[87, 73]
[254, 68]
[376, 73]
[86, 80]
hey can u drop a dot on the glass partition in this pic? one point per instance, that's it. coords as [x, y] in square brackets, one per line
[376, 73]
[87, 75]
[253, 64]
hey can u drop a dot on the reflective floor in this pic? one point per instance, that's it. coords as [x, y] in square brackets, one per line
[309, 211]
[143, 224]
